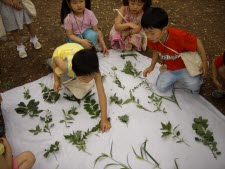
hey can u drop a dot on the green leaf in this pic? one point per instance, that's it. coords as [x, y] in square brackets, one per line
[178, 133]
[166, 134]
[127, 101]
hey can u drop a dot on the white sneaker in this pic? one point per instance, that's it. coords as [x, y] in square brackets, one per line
[37, 45]
[22, 54]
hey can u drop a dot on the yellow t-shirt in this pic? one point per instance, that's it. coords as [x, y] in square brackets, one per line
[66, 52]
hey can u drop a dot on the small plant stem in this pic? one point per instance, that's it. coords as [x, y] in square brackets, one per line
[55, 156]
[212, 152]
[180, 139]
[118, 162]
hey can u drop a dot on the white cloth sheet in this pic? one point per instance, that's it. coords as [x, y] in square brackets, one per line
[142, 125]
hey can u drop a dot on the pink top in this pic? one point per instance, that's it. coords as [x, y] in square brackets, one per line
[80, 24]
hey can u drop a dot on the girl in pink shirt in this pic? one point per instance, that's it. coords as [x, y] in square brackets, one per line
[127, 33]
[81, 25]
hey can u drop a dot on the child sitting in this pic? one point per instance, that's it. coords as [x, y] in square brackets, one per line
[81, 25]
[218, 68]
[14, 16]
[82, 64]
[24, 160]
[127, 32]
[160, 39]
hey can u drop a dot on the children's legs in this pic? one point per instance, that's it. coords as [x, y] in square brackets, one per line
[25, 160]
[20, 46]
[31, 30]
[91, 35]
[16, 37]
[33, 38]
[189, 82]
[165, 80]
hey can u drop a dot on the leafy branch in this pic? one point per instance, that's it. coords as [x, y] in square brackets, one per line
[145, 154]
[129, 54]
[157, 102]
[36, 131]
[48, 123]
[200, 126]
[115, 162]
[124, 119]
[133, 99]
[116, 79]
[48, 94]
[71, 98]
[116, 100]
[171, 98]
[68, 116]
[26, 94]
[78, 138]
[130, 70]
[139, 85]
[30, 109]
[91, 107]
[167, 130]
[52, 150]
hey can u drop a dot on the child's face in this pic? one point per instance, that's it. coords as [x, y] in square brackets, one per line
[135, 6]
[155, 34]
[77, 6]
[87, 78]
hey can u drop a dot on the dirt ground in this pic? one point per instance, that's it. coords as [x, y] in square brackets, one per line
[204, 18]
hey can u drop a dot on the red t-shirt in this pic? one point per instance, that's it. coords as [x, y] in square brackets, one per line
[180, 41]
[218, 61]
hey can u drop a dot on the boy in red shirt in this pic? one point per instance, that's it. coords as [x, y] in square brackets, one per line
[155, 23]
[218, 68]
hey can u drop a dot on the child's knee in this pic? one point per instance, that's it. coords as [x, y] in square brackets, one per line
[29, 157]
[162, 87]
[92, 36]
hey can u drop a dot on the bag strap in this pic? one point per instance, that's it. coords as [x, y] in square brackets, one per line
[169, 48]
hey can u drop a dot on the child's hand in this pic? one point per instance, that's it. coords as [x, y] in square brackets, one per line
[147, 71]
[133, 25]
[86, 43]
[17, 5]
[105, 125]
[125, 34]
[57, 86]
[204, 69]
[105, 50]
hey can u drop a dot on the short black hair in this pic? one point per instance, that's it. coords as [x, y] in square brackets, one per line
[85, 62]
[147, 3]
[154, 17]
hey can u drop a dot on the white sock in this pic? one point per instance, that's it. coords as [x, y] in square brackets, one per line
[34, 39]
[20, 48]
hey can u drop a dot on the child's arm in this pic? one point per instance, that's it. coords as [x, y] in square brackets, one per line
[119, 25]
[101, 40]
[201, 51]
[7, 156]
[214, 76]
[84, 42]
[58, 65]
[152, 66]
[105, 124]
